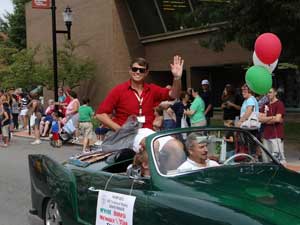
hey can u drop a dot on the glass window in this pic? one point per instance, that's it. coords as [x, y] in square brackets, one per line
[145, 17]
[184, 152]
[174, 13]
[209, 11]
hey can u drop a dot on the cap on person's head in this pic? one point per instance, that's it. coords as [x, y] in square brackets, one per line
[142, 133]
[205, 82]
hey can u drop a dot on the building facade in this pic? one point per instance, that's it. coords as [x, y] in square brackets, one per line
[110, 33]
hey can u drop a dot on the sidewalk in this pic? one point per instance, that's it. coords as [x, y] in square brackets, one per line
[292, 149]
[25, 134]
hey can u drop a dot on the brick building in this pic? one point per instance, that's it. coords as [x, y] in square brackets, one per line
[113, 34]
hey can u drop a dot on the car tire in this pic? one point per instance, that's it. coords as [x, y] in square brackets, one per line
[52, 214]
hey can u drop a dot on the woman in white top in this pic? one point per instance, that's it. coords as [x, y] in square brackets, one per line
[72, 113]
[249, 105]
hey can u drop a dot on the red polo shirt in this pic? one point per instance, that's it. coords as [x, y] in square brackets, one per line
[123, 100]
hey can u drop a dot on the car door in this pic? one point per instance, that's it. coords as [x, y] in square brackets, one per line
[118, 183]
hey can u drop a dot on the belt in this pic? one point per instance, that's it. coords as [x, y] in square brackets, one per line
[85, 121]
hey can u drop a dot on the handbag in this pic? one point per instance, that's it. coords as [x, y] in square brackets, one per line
[69, 127]
[184, 123]
[252, 122]
[32, 119]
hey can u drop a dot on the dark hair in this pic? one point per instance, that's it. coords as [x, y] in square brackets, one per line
[85, 100]
[141, 62]
[182, 95]
[6, 105]
[230, 91]
[55, 114]
[14, 96]
[249, 90]
[159, 110]
[73, 94]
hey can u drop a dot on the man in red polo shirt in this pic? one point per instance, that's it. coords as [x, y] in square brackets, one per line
[135, 97]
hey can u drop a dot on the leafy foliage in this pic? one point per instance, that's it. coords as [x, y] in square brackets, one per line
[72, 69]
[23, 71]
[15, 26]
[246, 20]
[24, 68]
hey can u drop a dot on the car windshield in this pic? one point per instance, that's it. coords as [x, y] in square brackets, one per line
[182, 152]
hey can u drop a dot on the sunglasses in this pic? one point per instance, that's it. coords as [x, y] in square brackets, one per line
[135, 69]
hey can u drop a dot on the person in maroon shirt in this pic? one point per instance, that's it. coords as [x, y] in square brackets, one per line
[136, 97]
[271, 117]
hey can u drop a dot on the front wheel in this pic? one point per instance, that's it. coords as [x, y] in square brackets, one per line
[52, 215]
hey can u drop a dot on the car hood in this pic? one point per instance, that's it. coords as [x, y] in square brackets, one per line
[264, 189]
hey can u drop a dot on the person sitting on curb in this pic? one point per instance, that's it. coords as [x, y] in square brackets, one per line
[140, 161]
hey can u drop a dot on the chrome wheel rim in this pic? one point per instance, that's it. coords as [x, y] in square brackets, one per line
[52, 215]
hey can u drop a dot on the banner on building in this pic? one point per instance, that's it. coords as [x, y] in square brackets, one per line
[41, 4]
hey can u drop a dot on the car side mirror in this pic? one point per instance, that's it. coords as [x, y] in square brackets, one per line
[134, 172]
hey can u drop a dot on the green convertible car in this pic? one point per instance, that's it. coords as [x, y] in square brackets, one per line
[188, 176]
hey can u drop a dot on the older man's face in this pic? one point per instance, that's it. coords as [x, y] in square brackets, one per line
[198, 152]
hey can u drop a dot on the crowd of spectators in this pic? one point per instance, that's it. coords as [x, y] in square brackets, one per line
[156, 108]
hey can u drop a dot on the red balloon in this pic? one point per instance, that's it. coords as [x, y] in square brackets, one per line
[267, 48]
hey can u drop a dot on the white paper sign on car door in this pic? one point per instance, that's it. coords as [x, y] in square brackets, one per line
[114, 208]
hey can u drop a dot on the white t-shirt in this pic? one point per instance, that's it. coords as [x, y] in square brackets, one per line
[190, 165]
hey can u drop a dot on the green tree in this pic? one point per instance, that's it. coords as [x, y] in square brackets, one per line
[246, 20]
[16, 25]
[6, 59]
[73, 69]
[25, 68]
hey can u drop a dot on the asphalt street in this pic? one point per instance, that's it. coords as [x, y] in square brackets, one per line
[15, 199]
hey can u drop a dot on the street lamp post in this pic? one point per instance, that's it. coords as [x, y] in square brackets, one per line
[68, 21]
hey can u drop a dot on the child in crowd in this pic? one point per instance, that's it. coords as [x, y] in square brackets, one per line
[140, 161]
[159, 118]
[5, 123]
[100, 134]
[85, 123]
[55, 129]
[229, 138]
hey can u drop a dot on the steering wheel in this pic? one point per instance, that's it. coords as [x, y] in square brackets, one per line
[226, 162]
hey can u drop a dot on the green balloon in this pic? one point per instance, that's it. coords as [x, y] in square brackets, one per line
[259, 79]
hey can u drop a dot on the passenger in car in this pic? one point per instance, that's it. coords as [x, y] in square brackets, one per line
[141, 161]
[169, 152]
[197, 154]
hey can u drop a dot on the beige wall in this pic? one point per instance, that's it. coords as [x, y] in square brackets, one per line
[106, 31]
[159, 54]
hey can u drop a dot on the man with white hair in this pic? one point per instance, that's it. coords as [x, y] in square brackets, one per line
[197, 154]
